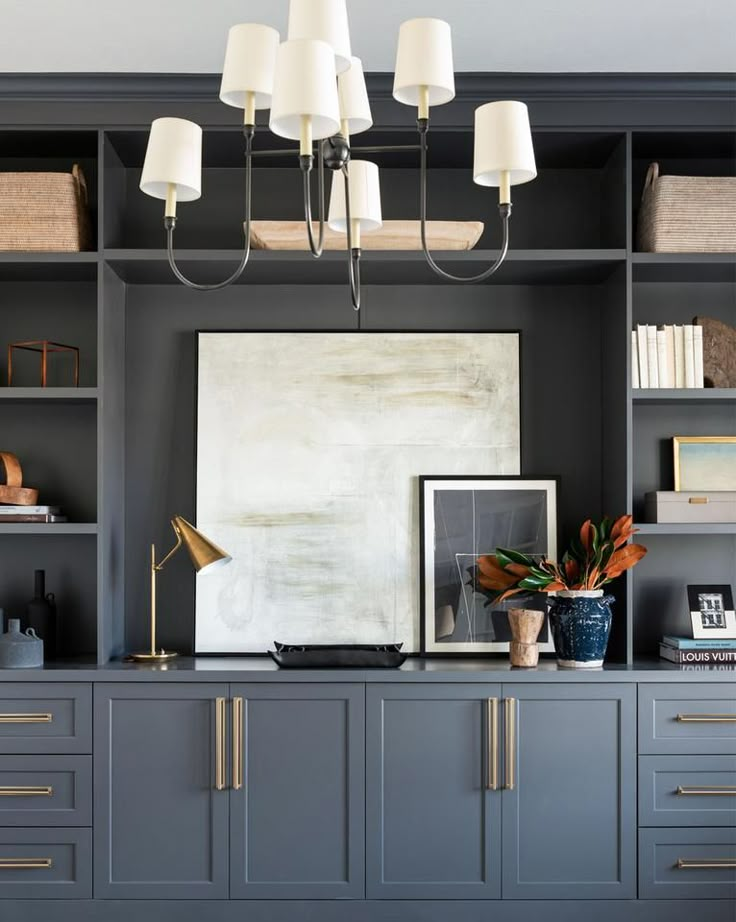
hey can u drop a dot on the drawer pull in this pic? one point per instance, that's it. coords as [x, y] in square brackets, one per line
[31, 790]
[705, 864]
[716, 789]
[237, 744]
[25, 864]
[706, 718]
[510, 720]
[220, 744]
[492, 731]
[26, 718]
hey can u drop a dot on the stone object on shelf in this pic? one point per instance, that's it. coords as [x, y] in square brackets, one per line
[719, 352]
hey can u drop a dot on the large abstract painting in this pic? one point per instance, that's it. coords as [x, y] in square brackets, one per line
[309, 449]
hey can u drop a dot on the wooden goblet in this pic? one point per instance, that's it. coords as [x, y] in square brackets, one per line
[525, 624]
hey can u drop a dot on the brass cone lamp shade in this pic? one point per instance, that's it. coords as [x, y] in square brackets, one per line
[205, 556]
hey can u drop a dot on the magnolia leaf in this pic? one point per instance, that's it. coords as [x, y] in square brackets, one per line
[506, 556]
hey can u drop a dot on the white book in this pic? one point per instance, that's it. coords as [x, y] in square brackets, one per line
[669, 333]
[698, 355]
[634, 360]
[662, 358]
[652, 356]
[6, 509]
[679, 356]
[689, 356]
[641, 335]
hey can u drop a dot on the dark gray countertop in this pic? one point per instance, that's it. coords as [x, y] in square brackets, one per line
[263, 669]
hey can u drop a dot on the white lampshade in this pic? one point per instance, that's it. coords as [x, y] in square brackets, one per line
[365, 197]
[305, 84]
[353, 97]
[424, 58]
[503, 142]
[250, 60]
[326, 21]
[173, 157]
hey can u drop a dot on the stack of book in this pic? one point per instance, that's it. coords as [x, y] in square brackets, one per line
[31, 514]
[668, 356]
[683, 650]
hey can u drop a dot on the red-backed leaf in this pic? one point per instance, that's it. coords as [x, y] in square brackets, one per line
[509, 593]
[586, 535]
[557, 586]
[622, 530]
[518, 569]
[624, 559]
[572, 571]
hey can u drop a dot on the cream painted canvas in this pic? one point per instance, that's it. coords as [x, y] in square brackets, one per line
[309, 448]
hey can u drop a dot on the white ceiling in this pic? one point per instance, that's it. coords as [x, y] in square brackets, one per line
[188, 36]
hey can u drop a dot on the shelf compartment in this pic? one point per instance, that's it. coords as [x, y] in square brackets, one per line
[684, 396]
[581, 181]
[70, 561]
[273, 267]
[47, 267]
[56, 444]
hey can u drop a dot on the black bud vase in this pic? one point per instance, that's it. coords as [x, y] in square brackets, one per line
[41, 615]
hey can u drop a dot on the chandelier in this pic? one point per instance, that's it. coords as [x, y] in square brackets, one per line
[316, 92]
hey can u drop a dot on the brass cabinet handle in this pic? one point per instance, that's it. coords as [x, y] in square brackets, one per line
[237, 744]
[31, 790]
[26, 718]
[220, 744]
[510, 719]
[25, 864]
[705, 864]
[706, 789]
[492, 731]
[706, 718]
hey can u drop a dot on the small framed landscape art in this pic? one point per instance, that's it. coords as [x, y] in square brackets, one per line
[705, 463]
[463, 518]
[712, 612]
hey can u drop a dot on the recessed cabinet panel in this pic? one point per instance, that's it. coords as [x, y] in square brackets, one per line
[688, 718]
[433, 827]
[569, 824]
[297, 822]
[160, 824]
[45, 718]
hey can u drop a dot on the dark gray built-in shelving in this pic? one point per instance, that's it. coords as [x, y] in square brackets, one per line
[118, 453]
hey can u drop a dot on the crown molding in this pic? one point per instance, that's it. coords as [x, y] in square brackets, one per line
[470, 87]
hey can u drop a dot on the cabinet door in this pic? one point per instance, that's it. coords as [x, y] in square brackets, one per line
[160, 826]
[569, 824]
[297, 825]
[433, 827]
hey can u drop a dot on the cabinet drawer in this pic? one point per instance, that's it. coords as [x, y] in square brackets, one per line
[687, 864]
[45, 718]
[45, 790]
[687, 790]
[45, 864]
[688, 718]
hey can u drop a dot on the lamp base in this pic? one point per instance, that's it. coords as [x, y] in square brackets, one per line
[160, 656]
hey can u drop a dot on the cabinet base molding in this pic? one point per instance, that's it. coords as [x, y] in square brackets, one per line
[366, 910]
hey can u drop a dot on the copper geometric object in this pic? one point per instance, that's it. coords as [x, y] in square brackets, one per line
[45, 347]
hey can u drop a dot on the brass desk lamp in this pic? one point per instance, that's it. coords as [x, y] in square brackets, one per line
[205, 556]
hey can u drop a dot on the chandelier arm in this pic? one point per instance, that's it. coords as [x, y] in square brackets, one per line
[353, 252]
[170, 224]
[306, 164]
[503, 209]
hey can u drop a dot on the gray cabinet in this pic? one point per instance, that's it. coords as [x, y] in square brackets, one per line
[433, 826]
[569, 823]
[161, 827]
[297, 821]
[565, 796]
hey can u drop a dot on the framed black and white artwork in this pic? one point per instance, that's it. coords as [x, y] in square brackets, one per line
[463, 518]
[712, 612]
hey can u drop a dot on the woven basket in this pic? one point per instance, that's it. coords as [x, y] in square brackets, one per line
[44, 211]
[687, 214]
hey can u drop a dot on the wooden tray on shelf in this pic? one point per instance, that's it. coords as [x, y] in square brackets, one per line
[393, 235]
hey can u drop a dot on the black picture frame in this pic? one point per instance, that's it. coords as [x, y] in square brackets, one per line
[429, 644]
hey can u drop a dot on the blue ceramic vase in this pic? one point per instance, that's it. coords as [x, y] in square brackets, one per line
[580, 622]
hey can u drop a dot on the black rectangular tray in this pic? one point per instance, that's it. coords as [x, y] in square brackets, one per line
[337, 656]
